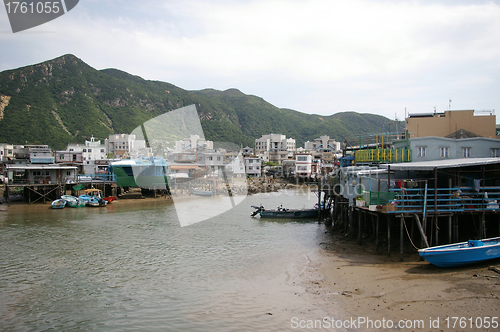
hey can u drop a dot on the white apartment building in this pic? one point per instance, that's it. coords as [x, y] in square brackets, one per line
[253, 166]
[91, 150]
[236, 166]
[127, 146]
[193, 143]
[274, 143]
[323, 144]
[303, 164]
[6, 152]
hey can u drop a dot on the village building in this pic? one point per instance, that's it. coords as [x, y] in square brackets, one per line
[443, 124]
[193, 144]
[275, 147]
[126, 146]
[253, 166]
[438, 148]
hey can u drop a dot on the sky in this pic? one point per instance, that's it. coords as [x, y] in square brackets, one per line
[384, 57]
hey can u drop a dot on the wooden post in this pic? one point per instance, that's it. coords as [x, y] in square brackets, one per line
[401, 237]
[388, 235]
[450, 224]
[376, 232]
[319, 203]
[422, 232]
[435, 203]
[359, 226]
[483, 225]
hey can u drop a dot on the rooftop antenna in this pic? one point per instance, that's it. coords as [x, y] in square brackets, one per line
[449, 105]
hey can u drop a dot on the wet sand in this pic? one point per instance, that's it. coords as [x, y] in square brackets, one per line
[377, 287]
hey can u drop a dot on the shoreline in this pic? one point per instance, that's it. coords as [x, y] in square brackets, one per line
[356, 282]
[379, 287]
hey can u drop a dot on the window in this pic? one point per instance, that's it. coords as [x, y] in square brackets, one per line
[250, 161]
[209, 158]
[444, 152]
[90, 150]
[421, 151]
[84, 150]
[61, 157]
[301, 158]
[466, 152]
[68, 173]
[495, 153]
[218, 158]
[102, 150]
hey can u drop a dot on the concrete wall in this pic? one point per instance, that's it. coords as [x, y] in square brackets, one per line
[444, 124]
[480, 147]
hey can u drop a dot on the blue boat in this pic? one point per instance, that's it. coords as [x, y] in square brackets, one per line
[463, 253]
[73, 201]
[58, 204]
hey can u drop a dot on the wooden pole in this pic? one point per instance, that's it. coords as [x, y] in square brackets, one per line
[483, 225]
[401, 237]
[359, 226]
[435, 204]
[422, 232]
[376, 232]
[450, 224]
[388, 235]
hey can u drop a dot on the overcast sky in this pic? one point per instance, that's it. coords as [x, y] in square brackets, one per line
[314, 56]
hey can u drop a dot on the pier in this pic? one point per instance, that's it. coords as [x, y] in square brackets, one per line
[416, 204]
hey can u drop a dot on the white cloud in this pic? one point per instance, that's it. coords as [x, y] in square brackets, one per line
[316, 56]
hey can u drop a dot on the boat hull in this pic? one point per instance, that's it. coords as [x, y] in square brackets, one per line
[150, 176]
[289, 214]
[463, 253]
[58, 204]
[73, 201]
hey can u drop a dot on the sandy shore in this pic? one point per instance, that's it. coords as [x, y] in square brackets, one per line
[379, 288]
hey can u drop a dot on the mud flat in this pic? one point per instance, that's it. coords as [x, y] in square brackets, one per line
[379, 288]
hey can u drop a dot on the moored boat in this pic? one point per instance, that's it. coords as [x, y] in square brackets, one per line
[73, 201]
[463, 253]
[281, 212]
[110, 199]
[58, 204]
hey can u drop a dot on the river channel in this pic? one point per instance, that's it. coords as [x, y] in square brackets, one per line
[131, 267]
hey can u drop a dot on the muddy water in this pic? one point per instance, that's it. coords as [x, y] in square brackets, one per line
[132, 267]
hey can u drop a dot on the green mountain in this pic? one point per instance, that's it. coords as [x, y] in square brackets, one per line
[64, 100]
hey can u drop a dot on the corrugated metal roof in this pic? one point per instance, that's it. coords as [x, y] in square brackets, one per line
[39, 166]
[439, 164]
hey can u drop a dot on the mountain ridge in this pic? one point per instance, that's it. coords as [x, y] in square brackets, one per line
[64, 100]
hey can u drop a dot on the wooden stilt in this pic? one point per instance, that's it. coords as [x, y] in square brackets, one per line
[388, 235]
[359, 226]
[401, 237]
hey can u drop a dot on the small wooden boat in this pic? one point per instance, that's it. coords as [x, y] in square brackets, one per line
[463, 253]
[110, 199]
[93, 198]
[281, 212]
[58, 204]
